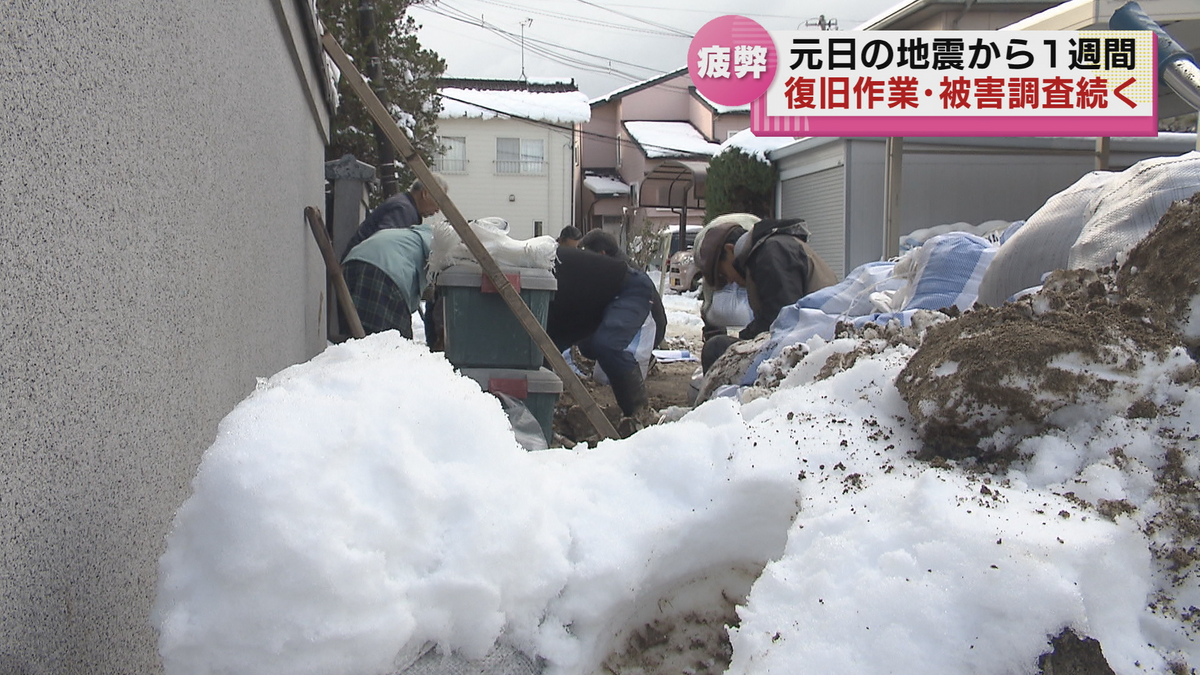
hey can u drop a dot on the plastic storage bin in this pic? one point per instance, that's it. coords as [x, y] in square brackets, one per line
[537, 389]
[481, 331]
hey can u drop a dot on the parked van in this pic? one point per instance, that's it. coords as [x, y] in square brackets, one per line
[682, 274]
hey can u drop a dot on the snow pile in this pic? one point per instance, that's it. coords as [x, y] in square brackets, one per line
[605, 185]
[683, 314]
[755, 146]
[344, 517]
[363, 507]
[562, 107]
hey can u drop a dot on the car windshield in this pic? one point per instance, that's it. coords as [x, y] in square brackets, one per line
[691, 240]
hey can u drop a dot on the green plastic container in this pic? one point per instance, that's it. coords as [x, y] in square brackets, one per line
[537, 389]
[481, 331]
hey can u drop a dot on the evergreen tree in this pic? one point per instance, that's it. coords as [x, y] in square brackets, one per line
[739, 183]
[404, 77]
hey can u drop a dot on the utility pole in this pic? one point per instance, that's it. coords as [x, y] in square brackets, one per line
[823, 23]
[385, 153]
[526, 22]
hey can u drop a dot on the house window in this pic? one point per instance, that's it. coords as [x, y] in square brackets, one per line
[537, 228]
[454, 155]
[731, 134]
[520, 156]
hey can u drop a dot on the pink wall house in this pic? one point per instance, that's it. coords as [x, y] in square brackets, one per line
[644, 153]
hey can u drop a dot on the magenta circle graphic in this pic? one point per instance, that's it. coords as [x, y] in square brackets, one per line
[732, 60]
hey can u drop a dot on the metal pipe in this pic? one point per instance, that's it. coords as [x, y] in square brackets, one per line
[1183, 77]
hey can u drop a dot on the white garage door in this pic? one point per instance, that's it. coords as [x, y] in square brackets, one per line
[820, 199]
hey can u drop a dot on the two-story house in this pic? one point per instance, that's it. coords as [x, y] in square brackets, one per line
[508, 149]
[644, 154]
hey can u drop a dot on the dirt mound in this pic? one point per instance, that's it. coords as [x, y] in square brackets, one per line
[666, 386]
[1163, 271]
[1072, 655]
[1070, 352]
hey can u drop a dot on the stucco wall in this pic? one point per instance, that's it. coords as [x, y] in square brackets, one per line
[667, 101]
[157, 158]
[480, 191]
[599, 150]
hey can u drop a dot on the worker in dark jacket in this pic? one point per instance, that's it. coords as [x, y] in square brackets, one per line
[600, 305]
[604, 243]
[402, 210]
[773, 261]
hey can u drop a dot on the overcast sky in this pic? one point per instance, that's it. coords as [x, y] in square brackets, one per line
[615, 42]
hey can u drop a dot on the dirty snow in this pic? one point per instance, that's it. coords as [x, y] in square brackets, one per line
[368, 504]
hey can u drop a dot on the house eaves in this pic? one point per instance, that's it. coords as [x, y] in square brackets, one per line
[637, 86]
[717, 108]
[910, 10]
[555, 103]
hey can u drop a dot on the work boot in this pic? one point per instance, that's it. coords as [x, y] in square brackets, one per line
[630, 391]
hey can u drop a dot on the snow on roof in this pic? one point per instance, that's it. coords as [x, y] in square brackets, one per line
[566, 107]
[630, 88]
[670, 139]
[755, 146]
[550, 80]
[719, 108]
[605, 185]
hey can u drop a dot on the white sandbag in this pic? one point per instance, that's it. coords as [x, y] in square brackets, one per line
[641, 347]
[449, 249]
[730, 307]
[1130, 205]
[1043, 243]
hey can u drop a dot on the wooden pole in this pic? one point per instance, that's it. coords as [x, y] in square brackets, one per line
[334, 269]
[892, 160]
[1103, 150]
[511, 297]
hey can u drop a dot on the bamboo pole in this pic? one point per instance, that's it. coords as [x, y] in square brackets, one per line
[511, 297]
[334, 269]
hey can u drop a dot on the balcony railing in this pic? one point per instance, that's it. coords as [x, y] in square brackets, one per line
[514, 166]
[451, 165]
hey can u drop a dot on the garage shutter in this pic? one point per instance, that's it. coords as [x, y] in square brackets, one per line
[819, 198]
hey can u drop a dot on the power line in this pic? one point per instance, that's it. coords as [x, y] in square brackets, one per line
[677, 32]
[576, 19]
[545, 48]
[534, 44]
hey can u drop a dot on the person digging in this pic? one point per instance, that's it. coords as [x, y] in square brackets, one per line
[600, 305]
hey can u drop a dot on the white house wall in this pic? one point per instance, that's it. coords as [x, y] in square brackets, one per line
[521, 199]
[155, 261]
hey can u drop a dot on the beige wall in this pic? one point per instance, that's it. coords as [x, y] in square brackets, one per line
[481, 192]
[666, 101]
[702, 117]
[730, 122]
[157, 160]
[598, 150]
